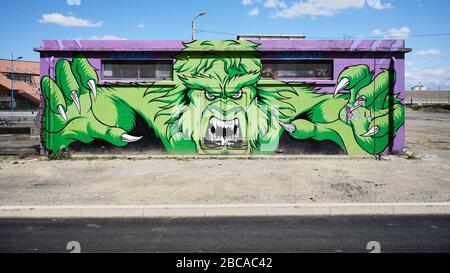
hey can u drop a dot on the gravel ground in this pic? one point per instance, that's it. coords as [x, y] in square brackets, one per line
[37, 181]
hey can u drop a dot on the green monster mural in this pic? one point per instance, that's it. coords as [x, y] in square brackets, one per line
[217, 103]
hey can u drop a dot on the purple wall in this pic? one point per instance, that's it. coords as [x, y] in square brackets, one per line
[376, 54]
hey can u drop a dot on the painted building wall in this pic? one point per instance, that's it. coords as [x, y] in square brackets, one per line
[218, 102]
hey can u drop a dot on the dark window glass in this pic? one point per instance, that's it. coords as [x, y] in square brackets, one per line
[20, 77]
[137, 70]
[311, 70]
[148, 71]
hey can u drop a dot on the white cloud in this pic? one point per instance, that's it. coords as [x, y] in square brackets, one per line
[73, 2]
[141, 25]
[67, 21]
[378, 32]
[399, 32]
[106, 37]
[376, 4]
[402, 32]
[275, 4]
[318, 8]
[429, 53]
[430, 77]
[409, 63]
[254, 12]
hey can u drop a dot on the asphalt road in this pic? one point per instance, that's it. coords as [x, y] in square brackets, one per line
[262, 234]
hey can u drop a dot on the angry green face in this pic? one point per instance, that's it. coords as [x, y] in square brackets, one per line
[220, 92]
[223, 119]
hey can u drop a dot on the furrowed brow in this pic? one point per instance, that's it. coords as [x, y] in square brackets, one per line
[203, 81]
[237, 82]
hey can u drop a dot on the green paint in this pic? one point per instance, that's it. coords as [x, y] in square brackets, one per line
[217, 90]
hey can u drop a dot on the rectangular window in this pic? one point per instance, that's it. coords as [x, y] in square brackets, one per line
[138, 70]
[20, 77]
[304, 69]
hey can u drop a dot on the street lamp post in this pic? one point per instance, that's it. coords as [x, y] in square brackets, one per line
[193, 24]
[12, 79]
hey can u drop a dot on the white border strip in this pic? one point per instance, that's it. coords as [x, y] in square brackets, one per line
[224, 210]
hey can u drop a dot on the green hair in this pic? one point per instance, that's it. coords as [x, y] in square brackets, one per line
[194, 69]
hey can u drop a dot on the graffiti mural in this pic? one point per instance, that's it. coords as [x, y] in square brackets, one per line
[218, 103]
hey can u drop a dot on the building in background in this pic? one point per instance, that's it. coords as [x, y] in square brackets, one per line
[419, 87]
[26, 85]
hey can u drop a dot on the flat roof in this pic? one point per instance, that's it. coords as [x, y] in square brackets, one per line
[264, 45]
[270, 37]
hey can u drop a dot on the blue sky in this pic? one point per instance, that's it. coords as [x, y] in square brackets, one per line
[33, 21]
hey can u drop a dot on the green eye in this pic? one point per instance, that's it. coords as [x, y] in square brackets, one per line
[209, 95]
[238, 94]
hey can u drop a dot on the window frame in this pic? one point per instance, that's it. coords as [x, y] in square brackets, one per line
[125, 61]
[330, 62]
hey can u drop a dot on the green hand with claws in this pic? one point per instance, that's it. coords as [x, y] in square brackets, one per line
[361, 116]
[73, 110]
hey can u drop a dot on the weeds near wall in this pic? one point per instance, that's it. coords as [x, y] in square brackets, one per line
[60, 155]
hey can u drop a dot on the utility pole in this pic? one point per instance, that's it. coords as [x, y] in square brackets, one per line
[193, 24]
[12, 80]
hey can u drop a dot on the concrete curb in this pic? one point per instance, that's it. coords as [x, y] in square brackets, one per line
[225, 210]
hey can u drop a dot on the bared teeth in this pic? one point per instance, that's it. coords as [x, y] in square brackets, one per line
[223, 132]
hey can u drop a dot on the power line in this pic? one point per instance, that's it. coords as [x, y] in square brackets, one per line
[217, 32]
[348, 36]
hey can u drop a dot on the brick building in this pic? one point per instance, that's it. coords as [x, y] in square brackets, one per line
[26, 85]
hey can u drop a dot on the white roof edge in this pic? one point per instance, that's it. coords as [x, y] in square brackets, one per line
[279, 36]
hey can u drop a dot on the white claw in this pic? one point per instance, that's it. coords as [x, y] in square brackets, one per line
[373, 131]
[342, 84]
[62, 112]
[288, 127]
[76, 100]
[91, 84]
[129, 138]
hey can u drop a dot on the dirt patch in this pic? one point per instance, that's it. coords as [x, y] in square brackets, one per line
[349, 190]
[38, 181]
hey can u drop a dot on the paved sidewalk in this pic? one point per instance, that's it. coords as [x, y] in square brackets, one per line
[225, 210]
